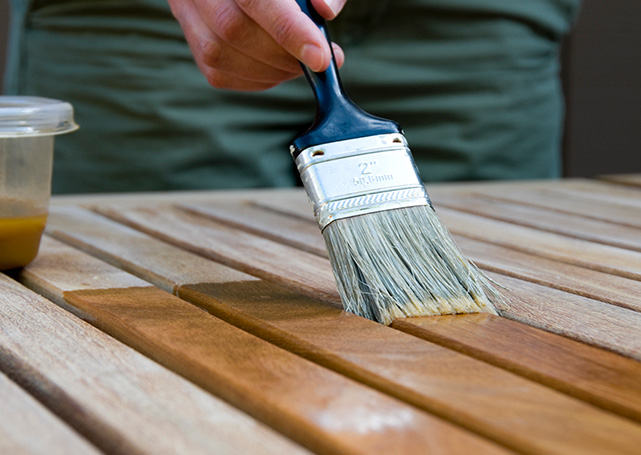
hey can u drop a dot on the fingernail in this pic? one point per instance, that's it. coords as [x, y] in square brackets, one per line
[313, 56]
[334, 5]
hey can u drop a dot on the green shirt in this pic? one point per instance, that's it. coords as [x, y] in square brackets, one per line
[474, 85]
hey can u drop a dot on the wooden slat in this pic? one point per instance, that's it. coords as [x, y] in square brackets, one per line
[602, 192]
[570, 278]
[580, 318]
[543, 219]
[303, 234]
[161, 197]
[599, 377]
[616, 261]
[597, 190]
[27, 427]
[321, 409]
[577, 317]
[293, 204]
[597, 324]
[488, 400]
[573, 203]
[110, 393]
[558, 196]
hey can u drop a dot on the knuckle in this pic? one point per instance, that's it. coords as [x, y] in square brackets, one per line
[230, 25]
[212, 53]
[284, 30]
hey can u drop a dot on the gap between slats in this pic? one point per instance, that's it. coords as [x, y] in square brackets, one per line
[23, 416]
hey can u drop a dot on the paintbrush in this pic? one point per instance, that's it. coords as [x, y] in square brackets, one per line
[391, 255]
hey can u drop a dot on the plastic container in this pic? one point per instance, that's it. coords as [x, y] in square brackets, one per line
[27, 129]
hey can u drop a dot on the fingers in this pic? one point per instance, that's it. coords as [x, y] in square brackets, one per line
[283, 21]
[252, 44]
[225, 66]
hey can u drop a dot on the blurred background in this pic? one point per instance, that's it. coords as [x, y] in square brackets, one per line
[601, 71]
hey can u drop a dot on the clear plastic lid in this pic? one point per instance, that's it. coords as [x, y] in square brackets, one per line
[34, 116]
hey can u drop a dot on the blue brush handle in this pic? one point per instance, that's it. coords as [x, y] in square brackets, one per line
[337, 117]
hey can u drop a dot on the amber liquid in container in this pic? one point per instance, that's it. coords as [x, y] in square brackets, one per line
[28, 125]
[21, 226]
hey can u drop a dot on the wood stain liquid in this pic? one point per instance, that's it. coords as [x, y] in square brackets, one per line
[21, 227]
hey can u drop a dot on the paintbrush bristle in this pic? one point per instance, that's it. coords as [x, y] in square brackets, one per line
[403, 263]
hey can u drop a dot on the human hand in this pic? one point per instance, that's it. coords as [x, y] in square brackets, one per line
[255, 44]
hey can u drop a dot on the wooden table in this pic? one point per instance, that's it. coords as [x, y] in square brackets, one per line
[208, 323]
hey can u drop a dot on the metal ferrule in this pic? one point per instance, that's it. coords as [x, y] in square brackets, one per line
[360, 176]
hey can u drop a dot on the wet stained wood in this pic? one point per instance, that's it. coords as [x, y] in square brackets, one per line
[317, 407]
[431, 376]
[597, 376]
[119, 400]
[422, 375]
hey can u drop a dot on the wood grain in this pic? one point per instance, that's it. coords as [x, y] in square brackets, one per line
[595, 324]
[93, 233]
[616, 290]
[162, 197]
[488, 400]
[315, 406]
[303, 234]
[544, 219]
[28, 428]
[594, 375]
[608, 259]
[580, 318]
[573, 203]
[110, 393]
[602, 192]
[258, 256]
